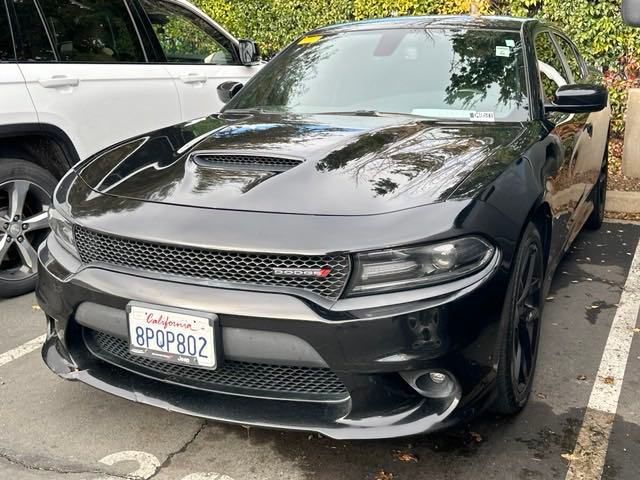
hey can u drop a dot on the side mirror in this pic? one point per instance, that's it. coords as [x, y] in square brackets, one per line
[631, 12]
[228, 90]
[579, 98]
[249, 52]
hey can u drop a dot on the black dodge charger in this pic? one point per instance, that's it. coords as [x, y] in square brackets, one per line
[358, 245]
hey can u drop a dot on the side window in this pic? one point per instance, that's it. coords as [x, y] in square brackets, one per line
[185, 37]
[31, 35]
[92, 31]
[572, 58]
[7, 53]
[552, 72]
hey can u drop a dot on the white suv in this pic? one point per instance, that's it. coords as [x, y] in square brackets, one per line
[78, 76]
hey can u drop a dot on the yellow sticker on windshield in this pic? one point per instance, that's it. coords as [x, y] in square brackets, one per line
[309, 39]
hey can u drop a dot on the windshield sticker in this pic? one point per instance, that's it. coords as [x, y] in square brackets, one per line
[503, 51]
[510, 43]
[309, 39]
[482, 116]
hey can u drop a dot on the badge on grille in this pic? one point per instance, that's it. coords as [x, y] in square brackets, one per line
[302, 272]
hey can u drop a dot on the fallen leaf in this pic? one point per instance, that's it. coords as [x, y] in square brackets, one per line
[550, 298]
[476, 437]
[541, 396]
[404, 456]
[569, 457]
[581, 377]
[382, 475]
[36, 308]
[636, 330]
[608, 380]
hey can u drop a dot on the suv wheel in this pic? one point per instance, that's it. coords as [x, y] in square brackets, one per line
[25, 195]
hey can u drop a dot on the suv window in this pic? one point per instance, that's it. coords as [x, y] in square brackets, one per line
[31, 35]
[185, 37]
[552, 72]
[6, 43]
[571, 56]
[92, 31]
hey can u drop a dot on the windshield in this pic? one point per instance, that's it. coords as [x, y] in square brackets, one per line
[461, 74]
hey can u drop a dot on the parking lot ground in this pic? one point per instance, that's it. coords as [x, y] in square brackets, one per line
[50, 428]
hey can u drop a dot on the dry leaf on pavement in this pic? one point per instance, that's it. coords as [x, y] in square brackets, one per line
[404, 456]
[382, 475]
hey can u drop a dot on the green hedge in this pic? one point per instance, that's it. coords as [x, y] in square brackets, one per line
[595, 25]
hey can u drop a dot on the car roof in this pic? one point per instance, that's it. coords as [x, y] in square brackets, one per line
[434, 21]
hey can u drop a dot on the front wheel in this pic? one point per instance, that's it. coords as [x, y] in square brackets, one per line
[25, 196]
[599, 198]
[522, 315]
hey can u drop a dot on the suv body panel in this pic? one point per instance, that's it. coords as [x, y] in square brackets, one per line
[98, 104]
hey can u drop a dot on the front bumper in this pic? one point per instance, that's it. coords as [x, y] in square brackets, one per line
[367, 348]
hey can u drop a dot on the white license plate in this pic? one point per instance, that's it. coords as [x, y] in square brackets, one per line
[172, 335]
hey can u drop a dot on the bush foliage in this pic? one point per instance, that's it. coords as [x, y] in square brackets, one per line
[595, 25]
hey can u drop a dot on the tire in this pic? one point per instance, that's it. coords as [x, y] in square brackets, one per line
[599, 196]
[36, 187]
[522, 319]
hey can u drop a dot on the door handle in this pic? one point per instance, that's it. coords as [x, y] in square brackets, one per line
[193, 78]
[58, 81]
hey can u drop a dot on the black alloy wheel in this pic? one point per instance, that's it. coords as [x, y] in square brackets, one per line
[25, 197]
[523, 315]
[599, 196]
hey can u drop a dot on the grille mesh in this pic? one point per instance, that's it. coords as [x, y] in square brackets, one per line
[224, 266]
[283, 380]
[246, 161]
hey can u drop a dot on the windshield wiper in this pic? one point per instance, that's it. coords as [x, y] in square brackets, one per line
[253, 110]
[375, 113]
[358, 113]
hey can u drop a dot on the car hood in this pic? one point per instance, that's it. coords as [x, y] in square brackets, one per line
[318, 164]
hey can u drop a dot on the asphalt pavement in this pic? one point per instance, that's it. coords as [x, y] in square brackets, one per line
[53, 429]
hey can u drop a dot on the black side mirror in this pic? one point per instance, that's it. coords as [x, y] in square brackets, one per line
[228, 90]
[579, 98]
[249, 52]
[631, 12]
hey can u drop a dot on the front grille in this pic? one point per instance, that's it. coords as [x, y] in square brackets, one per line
[260, 379]
[245, 161]
[217, 265]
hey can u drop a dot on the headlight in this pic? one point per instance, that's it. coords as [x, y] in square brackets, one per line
[62, 229]
[405, 268]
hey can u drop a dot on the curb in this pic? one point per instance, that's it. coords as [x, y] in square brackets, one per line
[623, 202]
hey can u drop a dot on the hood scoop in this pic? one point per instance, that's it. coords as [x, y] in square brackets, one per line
[244, 161]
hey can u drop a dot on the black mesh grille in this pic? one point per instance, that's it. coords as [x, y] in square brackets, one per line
[246, 161]
[283, 381]
[224, 266]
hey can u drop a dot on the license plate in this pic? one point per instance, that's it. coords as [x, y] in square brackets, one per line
[172, 335]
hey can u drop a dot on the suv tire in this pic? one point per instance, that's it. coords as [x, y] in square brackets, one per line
[25, 191]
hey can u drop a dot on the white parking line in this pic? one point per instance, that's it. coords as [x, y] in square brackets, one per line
[23, 349]
[589, 454]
